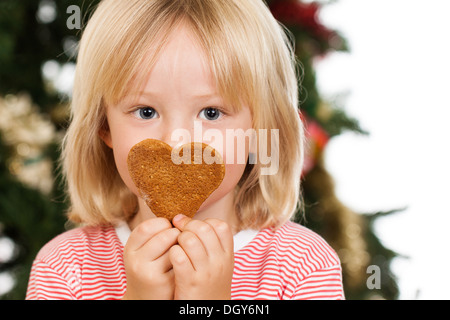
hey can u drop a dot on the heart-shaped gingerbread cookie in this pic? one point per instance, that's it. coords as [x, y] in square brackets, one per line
[175, 181]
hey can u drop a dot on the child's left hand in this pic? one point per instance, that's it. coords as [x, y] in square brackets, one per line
[203, 260]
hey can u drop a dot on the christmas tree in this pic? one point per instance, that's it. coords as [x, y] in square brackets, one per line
[36, 41]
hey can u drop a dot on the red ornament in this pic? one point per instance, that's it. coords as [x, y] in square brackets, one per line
[316, 138]
[302, 15]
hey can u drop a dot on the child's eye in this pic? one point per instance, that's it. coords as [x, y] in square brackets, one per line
[211, 113]
[145, 113]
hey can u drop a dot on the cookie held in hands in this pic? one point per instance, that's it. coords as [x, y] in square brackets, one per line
[175, 181]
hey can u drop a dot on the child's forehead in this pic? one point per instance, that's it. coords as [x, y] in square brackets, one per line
[181, 57]
[190, 48]
[179, 61]
[181, 65]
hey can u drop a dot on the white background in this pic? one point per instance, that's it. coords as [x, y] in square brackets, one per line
[397, 75]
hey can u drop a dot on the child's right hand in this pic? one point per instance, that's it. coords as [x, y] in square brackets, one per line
[146, 258]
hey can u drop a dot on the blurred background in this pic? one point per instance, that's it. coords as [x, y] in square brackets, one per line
[375, 102]
[396, 77]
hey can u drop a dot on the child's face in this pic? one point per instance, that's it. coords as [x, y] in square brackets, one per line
[179, 92]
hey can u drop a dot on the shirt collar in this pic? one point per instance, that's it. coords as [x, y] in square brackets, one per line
[241, 239]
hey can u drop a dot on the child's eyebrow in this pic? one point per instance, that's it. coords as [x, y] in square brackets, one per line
[205, 96]
[195, 95]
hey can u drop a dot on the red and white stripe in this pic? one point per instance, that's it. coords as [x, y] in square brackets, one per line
[84, 263]
[291, 262]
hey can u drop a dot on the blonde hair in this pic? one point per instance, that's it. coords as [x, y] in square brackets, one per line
[253, 63]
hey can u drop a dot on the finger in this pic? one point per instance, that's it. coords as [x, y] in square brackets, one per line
[182, 266]
[206, 234]
[224, 234]
[163, 263]
[145, 231]
[194, 249]
[160, 243]
[180, 221]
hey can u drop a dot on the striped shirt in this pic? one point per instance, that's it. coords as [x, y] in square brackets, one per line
[291, 262]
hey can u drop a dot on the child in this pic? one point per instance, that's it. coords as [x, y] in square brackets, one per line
[145, 69]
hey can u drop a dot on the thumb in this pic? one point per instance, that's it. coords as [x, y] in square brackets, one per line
[180, 221]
